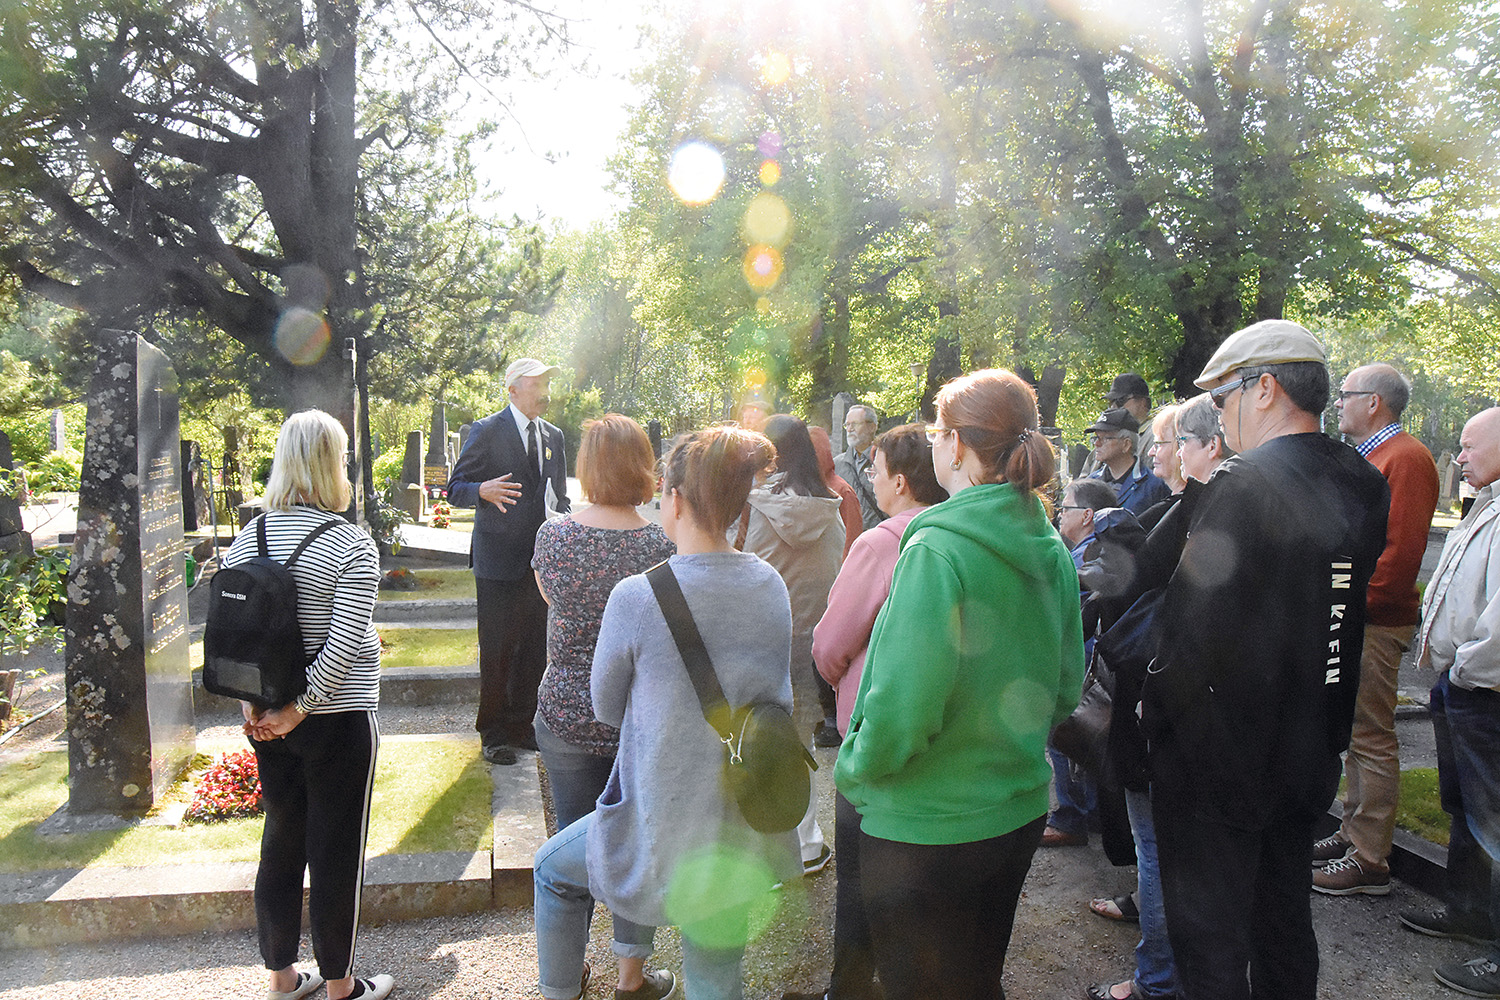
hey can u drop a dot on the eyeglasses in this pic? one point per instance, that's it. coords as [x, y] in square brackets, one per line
[935, 432]
[1105, 437]
[1073, 506]
[1185, 438]
[1346, 393]
[1159, 443]
[1218, 395]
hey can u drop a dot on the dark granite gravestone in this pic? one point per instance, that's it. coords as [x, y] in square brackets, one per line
[411, 461]
[130, 686]
[437, 436]
[188, 463]
[13, 534]
[463, 436]
[653, 431]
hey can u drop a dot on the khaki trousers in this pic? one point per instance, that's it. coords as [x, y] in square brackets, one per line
[1372, 769]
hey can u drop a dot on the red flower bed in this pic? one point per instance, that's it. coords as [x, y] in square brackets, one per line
[229, 788]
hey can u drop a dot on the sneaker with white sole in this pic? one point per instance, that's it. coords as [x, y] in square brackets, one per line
[374, 988]
[306, 983]
[659, 985]
[1478, 977]
[818, 863]
[1330, 848]
[1346, 877]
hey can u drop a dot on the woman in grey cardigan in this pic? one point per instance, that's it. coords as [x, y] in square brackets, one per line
[665, 844]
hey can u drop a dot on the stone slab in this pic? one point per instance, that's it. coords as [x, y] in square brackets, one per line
[398, 686]
[43, 909]
[520, 829]
[426, 610]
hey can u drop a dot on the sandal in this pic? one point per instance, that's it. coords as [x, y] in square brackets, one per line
[1120, 908]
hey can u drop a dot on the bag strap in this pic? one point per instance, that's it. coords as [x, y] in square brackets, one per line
[689, 642]
[739, 539]
[302, 547]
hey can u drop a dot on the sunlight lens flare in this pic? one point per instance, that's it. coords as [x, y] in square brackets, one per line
[301, 336]
[696, 173]
[767, 220]
[762, 267]
[770, 173]
[775, 68]
[769, 145]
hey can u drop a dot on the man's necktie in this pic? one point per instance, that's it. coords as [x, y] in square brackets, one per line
[531, 447]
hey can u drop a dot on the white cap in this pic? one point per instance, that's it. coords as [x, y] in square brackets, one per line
[526, 367]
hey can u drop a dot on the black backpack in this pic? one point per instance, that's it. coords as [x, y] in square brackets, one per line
[252, 644]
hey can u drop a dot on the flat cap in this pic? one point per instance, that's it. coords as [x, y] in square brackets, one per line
[1128, 384]
[1115, 419]
[1269, 342]
[526, 367]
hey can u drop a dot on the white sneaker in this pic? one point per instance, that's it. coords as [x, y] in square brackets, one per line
[374, 988]
[306, 983]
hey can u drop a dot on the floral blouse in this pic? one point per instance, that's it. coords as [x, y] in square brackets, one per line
[579, 566]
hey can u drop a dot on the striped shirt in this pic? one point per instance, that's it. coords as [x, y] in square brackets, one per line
[337, 580]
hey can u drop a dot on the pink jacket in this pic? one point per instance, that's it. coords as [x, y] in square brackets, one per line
[864, 581]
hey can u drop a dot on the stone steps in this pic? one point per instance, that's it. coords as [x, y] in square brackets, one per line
[102, 903]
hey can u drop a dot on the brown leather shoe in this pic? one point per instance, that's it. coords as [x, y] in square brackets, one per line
[1053, 837]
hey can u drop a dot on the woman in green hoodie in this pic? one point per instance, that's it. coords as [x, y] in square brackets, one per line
[977, 653]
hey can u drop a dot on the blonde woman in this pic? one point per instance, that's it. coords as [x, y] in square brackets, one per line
[317, 754]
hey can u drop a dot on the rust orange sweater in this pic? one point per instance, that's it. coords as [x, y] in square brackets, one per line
[1408, 466]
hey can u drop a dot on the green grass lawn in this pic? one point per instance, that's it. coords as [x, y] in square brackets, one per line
[435, 583]
[1419, 811]
[429, 647]
[428, 797]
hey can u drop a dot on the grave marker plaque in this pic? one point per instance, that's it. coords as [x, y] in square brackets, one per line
[130, 694]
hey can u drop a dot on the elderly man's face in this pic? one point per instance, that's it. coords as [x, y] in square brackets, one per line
[1480, 449]
[531, 394]
[1356, 405]
[1111, 446]
[859, 425]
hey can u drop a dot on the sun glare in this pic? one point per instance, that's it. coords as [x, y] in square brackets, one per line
[696, 173]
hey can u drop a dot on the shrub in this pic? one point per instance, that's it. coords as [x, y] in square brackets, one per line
[57, 472]
[228, 789]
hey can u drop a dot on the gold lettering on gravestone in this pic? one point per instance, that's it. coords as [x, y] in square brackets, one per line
[434, 475]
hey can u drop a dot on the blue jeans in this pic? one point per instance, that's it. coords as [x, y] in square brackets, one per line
[563, 908]
[1466, 725]
[575, 775]
[1155, 972]
[1075, 795]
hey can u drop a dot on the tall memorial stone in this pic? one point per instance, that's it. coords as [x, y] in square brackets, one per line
[130, 685]
[13, 534]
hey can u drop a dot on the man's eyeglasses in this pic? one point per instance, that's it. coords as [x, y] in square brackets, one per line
[1073, 506]
[1344, 394]
[1183, 439]
[1105, 437]
[1218, 395]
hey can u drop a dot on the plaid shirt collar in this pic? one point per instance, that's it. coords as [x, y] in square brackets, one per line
[1377, 439]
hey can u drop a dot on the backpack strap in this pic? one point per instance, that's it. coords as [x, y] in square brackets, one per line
[302, 546]
[309, 540]
[689, 642]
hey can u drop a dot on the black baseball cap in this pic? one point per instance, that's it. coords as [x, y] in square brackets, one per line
[1115, 419]
[1128, 384]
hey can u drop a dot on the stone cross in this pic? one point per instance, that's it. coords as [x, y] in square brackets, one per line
[129, 683]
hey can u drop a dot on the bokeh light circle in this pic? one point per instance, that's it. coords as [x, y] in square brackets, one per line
[696, 173]
[301, 336]
[770, 173]
[762, 267]
[767, 220]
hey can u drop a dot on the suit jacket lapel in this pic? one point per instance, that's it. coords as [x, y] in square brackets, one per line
[515, 451]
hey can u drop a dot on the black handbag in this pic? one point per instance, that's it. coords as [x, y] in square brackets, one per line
[1083, 736]
[765, 765]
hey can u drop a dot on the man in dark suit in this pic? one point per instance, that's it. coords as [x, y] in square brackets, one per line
[513, 471]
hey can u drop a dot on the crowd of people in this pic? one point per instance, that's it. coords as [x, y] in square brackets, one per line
[933, 602]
